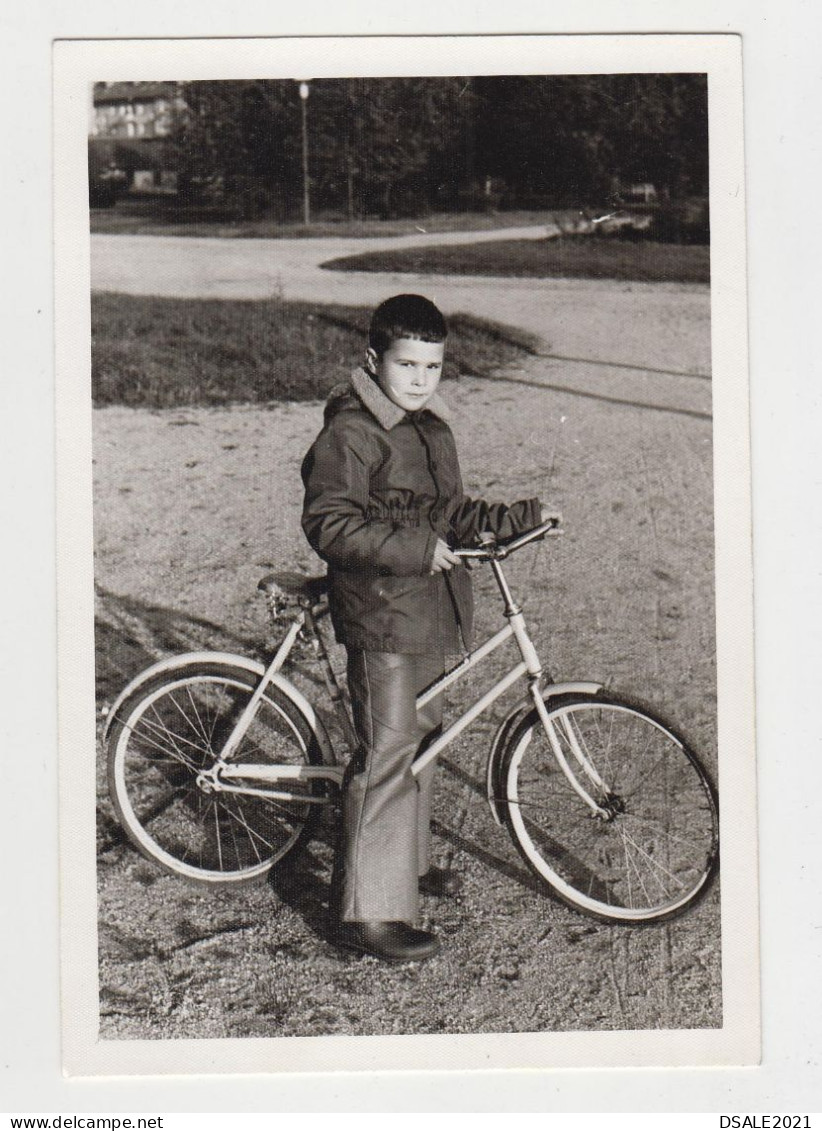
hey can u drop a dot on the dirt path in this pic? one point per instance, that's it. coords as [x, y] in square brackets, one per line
[627, 596]
[661, 327]
[191, 507]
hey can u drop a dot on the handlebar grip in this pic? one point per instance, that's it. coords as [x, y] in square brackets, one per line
[490, 548]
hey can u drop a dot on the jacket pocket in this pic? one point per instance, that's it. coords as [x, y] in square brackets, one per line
[401, 589]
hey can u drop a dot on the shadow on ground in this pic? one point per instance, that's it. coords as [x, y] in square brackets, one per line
[132, 634]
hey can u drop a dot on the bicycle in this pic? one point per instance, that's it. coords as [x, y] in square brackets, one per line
[219, 766]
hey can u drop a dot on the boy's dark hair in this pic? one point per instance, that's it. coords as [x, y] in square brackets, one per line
[405, 316]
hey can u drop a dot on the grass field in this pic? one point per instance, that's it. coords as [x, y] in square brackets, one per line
[165, 353]
[565, 257]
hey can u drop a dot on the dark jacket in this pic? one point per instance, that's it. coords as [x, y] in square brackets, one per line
[381, 485]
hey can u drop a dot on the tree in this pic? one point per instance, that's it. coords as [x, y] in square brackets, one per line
[374, 144]
[406, 145]
[565, 138]
[411, 132]
[240, 141]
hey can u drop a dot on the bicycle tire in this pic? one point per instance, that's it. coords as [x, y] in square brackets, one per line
[167, 731]
[656, 852]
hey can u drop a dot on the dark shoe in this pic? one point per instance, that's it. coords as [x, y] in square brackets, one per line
[393, 942]
[440, 882]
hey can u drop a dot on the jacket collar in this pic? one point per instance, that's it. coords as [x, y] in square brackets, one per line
[383, 408]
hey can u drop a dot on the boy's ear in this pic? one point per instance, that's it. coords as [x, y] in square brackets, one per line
[371, 360]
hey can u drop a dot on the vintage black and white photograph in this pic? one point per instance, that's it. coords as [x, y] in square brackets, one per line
[407, 464]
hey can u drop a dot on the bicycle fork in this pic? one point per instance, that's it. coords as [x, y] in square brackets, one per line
[533, 666]
[572, 737]
[534, 669]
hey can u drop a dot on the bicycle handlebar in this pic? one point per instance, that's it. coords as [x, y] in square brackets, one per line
[493, 551]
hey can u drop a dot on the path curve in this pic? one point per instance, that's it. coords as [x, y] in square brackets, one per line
[602, 335]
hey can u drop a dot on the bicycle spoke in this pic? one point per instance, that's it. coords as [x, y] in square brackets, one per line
[196, 713]
[572, 864]
[633, 866]
[654, 864]
[217, 714]
[637, 873]
[637, 761]
[173, 699]
[606, 746]
[218, 838]
[161, 728]
[178, 759]
[537, 807]
[249, 836]
[628, 873]
[610, 746]
[174, 757]
[161, 806]
[631, 789]
[234, 815]
[247, 747]
[233, 835]
[668, 836]
[252, 833]
[201, 822]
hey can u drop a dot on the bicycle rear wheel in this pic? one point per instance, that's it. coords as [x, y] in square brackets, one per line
[656, 849]
[170, 730]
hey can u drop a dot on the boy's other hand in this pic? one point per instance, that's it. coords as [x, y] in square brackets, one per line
[550, 514]
[444, 558]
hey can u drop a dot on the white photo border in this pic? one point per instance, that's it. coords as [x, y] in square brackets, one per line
[77, 64]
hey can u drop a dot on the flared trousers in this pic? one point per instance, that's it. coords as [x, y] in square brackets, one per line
[384, 844]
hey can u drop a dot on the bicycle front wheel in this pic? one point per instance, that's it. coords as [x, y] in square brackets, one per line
[170, 730]
[655, 848]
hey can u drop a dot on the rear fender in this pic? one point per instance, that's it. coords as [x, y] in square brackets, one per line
[493, 777]
[176, 664]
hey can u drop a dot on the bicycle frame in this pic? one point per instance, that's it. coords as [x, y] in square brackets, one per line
[216, 762]
[529, 666]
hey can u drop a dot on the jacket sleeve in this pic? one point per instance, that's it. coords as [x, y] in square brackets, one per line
[471, 517]
[336, 473]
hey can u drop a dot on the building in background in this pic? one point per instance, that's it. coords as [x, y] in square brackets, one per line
[129, 125]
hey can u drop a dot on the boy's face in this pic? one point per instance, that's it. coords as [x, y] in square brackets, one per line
[408, 372]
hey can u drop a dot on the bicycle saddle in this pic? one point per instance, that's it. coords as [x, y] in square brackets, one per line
[298, 585]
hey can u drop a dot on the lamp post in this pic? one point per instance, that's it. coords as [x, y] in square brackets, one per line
[304, 91]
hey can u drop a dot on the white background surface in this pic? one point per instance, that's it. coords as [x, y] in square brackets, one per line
[782, 71]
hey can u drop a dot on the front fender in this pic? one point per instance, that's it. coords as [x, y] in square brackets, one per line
[506, 727]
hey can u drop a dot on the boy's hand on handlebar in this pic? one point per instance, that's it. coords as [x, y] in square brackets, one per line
[444, 558]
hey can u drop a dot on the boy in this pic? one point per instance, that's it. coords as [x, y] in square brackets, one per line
[384, 507]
